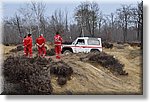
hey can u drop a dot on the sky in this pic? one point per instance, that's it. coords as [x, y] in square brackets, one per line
[10, 7]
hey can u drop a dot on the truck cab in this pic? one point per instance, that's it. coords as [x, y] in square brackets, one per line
[83, 44]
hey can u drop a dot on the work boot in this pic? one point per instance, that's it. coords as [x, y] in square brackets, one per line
[43, 56]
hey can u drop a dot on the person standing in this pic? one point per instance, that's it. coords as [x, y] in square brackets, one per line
[24, 44]
[40, 42]
[58, 43]
[29, 46]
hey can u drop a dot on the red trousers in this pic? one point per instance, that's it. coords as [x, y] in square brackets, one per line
[28, 51]
[41, 51]
[25, 50]
[57, 51]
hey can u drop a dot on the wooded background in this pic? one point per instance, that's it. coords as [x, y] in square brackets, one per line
[123, 25]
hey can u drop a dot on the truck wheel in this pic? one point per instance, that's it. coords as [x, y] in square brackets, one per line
[67, 52]
[95, 51]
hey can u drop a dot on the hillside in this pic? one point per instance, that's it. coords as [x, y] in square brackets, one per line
[92, 78]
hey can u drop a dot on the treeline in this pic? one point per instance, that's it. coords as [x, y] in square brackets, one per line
[123, 25]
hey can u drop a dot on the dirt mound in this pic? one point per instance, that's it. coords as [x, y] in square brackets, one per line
[108, 62]
[13, 50]
[32, 73]
[62, 71]
[18, 48]
[134, 53]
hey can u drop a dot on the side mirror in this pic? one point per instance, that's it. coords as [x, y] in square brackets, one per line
[76, 43]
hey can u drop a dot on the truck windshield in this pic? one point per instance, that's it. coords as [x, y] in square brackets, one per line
[80, 42]
[73, 43]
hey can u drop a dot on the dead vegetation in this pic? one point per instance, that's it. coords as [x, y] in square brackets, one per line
[108, 62]
[135, 44]
[107, 45]
[31, 73]
[34, 74]
[62, 71]
[18, 48]
[50, 52]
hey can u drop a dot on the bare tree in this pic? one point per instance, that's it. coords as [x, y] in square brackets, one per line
[38, 10]
[86, 15]
[89, 21]
[57, 21]
[107, 28]
[124, 15]
[137, 19]
[18, 21]
[27, 18]
[140, 22]
[94, 16]
[11, 35]
[100, 22]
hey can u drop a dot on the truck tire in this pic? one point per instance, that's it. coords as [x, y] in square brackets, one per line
[67, 52]
[95, 51]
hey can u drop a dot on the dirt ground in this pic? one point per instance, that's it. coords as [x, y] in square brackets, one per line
[91, 78]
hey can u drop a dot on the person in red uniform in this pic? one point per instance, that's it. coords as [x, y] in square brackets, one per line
[40, 42]
[29, 45]
[24, 44]
[58, 43]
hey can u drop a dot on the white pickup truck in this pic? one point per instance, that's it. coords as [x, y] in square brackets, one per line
[83, 44]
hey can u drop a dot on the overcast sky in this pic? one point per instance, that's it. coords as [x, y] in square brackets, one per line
[10, 7]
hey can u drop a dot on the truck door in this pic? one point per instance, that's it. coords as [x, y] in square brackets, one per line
[79, 45]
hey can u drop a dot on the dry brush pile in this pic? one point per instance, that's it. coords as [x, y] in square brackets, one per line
[31, 73]
[50, 52]
[18, 48]
[34, 74]
[108, 62]
[62, 71]
[107, 45]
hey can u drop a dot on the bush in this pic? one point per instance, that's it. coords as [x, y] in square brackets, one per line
[62, 71]
[6, 44]
[19, 48]
[108, 62]
[50, 52]
[31, 73]
[107, 45]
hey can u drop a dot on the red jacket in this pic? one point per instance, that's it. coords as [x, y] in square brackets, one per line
[57, 40]
[25, 41]
[40, 40]
[29, 42]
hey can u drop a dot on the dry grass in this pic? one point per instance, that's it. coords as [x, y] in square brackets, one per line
[94, 79]
[6, 49]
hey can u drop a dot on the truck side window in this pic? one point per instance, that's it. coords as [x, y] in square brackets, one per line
[93, 42]
[80, 42]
